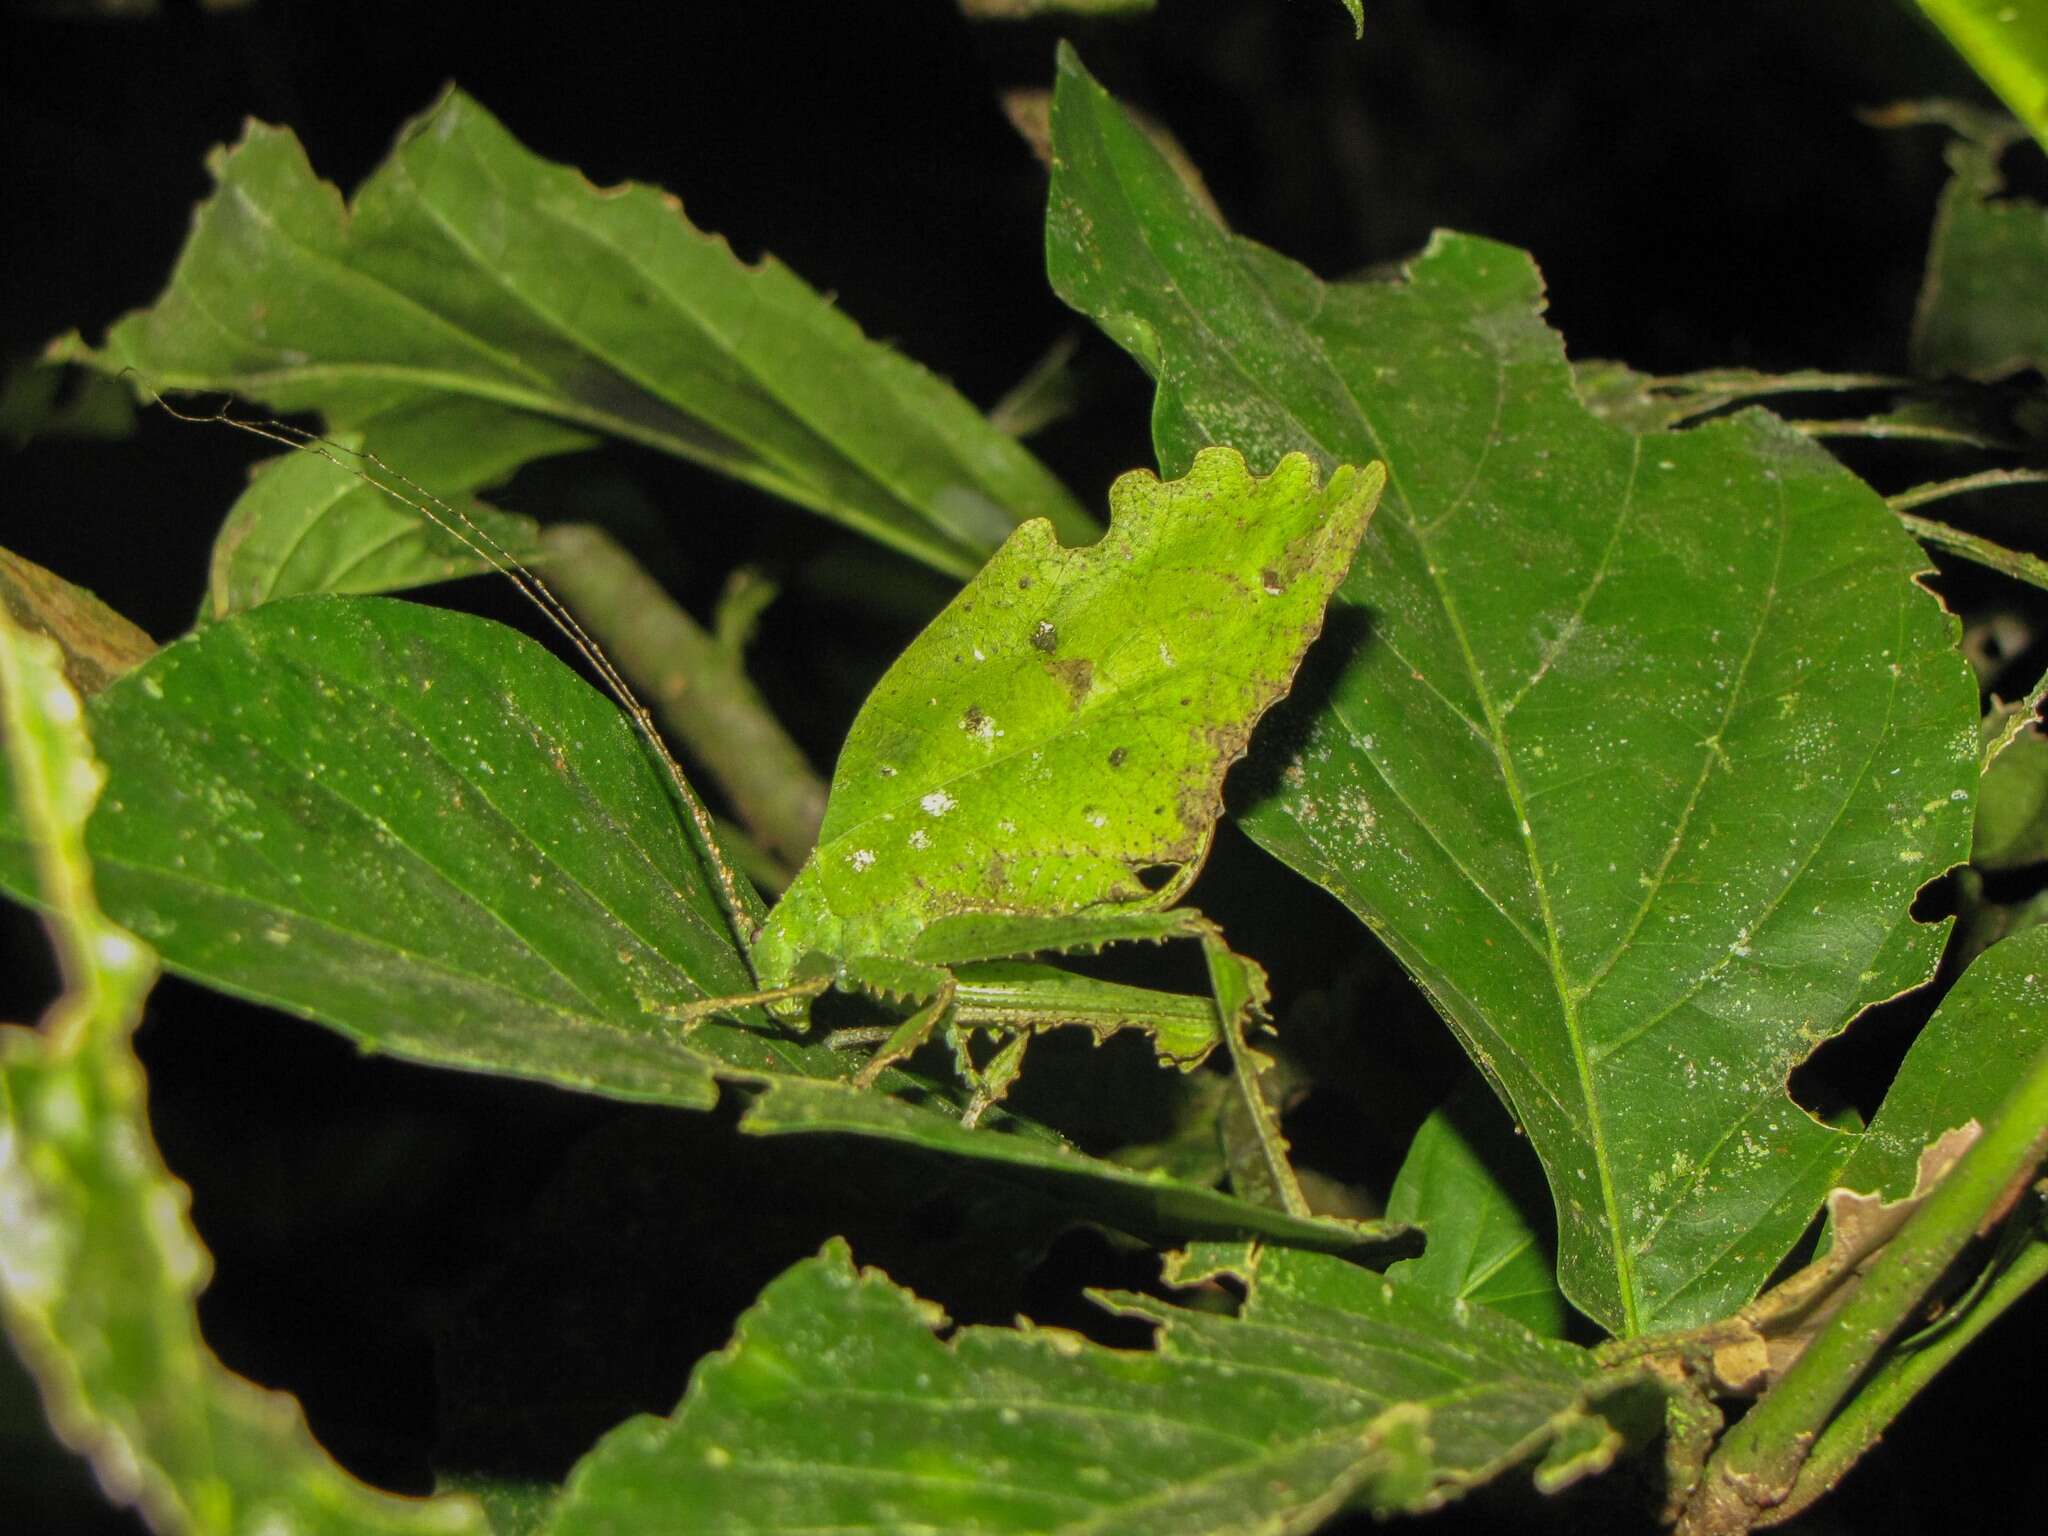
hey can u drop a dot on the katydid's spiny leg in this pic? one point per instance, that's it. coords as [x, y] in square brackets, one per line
[1239, 985]
[994, 1080]
[931, 985]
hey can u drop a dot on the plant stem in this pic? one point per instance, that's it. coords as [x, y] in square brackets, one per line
[1899, 1379]
[2016, 563]
[1910, 431]
[1758, 1463]
[1985, 480]
[1738, 383]
[698, 687]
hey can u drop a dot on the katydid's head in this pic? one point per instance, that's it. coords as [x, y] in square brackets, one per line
[1055, 742]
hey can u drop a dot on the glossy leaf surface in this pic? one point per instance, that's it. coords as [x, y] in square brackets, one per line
[1636, 746]
[467, 266]
[836, 1408]
[1064, 725]
[100, 1267]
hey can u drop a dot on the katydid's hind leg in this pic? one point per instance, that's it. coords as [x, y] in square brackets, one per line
[992, 1081]
[1239, 987]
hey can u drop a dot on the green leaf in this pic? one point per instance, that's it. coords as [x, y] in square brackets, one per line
[419, 829]
[466, 266]
[1961, 1067]
[836, 1407]
[1633, 747]
[97, 644]
[514, 1506]
[102, 1267]
[1983, 310]
[340, 518]
[415, 828]
[1132, 1199]
[1471, 1184]
[2006, 42]
[40, 400]
[2012, 806]
[1065, 724]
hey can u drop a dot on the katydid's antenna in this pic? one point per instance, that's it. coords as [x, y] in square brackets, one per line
[459, 525]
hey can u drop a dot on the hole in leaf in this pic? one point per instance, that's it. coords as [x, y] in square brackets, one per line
[1157, 877]
[1844, 1078]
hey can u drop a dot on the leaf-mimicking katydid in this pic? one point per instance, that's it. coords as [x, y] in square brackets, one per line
[1041, 772]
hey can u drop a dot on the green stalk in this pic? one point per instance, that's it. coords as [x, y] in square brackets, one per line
[1938, 490]
[697, 687]
[1879, 429]
[1758, 1463]
[2016, 563]
[1900, 1378]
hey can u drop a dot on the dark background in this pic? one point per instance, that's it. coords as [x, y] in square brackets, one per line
[502, 1271]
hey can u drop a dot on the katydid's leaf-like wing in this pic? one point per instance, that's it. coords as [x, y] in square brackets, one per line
[1639, 745]
[837, 1408]
[421, 830]
[467, 266]
[336, 519]
[1471, 1183]
[1065, 724]
[101, 1267]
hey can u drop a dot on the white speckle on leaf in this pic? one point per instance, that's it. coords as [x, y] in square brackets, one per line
[61, 705]
[937, 803]
[919, 840]
[1165, 654]
[861, 858]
